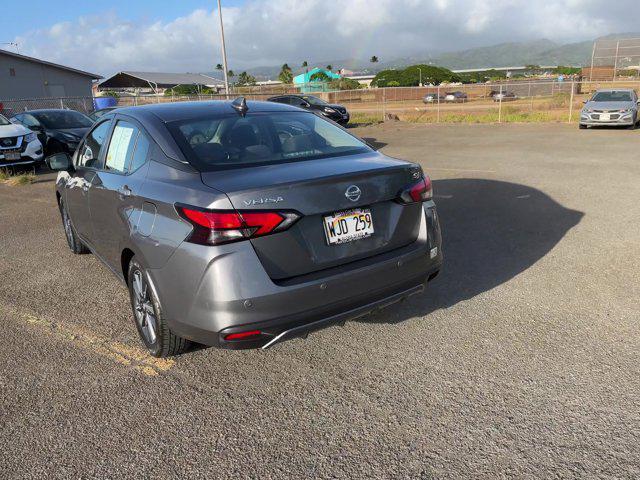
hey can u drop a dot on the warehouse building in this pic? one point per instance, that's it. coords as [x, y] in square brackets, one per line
[27, 77]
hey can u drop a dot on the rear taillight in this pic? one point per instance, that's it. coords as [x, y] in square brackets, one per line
[214, 227]
[421, 191]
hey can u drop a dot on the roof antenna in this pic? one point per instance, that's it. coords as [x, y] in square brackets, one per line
[240, 106]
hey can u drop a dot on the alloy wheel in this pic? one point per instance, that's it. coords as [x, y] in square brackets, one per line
[143, 308]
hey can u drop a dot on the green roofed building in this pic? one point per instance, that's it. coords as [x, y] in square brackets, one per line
[308, 84]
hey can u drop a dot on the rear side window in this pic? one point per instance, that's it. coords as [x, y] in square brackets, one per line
[261, 139]
[128, 148]
[140, 153]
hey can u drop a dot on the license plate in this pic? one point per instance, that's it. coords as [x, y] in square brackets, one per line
[605, 116]
[349, 225]
[11, 155]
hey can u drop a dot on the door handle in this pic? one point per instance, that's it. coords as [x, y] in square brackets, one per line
[124, 191]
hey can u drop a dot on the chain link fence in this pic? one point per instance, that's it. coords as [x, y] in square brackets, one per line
[514, 101]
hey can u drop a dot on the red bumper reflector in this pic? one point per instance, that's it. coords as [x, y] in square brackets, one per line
[243, 335]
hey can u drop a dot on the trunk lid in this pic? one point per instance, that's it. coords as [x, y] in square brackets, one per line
[316, 188]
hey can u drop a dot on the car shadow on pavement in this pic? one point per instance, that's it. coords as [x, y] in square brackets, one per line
[492, 231]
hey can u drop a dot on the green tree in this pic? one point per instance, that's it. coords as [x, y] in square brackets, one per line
[231, 74]
[305, 64]
[219, 66]
[320, 76]
[344, 84]
[374, 59]
[285, 75]
[410, 76]
[245, 79]
[329, 67]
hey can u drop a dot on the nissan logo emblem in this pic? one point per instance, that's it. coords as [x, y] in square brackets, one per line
[353, 193]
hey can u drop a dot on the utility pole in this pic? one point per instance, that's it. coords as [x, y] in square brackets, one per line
[224, 52]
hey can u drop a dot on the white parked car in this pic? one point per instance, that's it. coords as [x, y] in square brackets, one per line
[18, 145]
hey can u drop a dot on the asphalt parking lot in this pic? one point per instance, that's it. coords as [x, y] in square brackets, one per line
[522, 359]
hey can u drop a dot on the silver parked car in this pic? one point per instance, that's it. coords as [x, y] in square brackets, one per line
[618, 107]
[243, 224]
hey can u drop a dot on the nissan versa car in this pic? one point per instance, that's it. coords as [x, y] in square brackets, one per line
[19, 146]
[243, 224]
[58, 130]
[617, 107]
[335, 112]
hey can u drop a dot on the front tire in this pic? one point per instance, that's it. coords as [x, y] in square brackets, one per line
[74, 242]
[583, 127]
[147, 313]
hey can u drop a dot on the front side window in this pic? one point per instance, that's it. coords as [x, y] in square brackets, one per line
[261, 139]
[314, 100]
[28, 120]
[89, 151]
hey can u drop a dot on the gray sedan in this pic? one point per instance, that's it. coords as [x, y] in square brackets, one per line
[241, 225]
[611, 107]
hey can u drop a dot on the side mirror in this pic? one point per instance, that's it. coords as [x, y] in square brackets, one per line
[60, 162]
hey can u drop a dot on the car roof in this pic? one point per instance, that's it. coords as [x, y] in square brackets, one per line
[169, 112]
[47, 110]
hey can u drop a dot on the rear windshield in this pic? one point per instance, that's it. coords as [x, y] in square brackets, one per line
[612, 97]
[63, 119]
[234, 141]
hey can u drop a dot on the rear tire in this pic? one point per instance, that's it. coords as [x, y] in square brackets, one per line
[148, 316]
[74, 242]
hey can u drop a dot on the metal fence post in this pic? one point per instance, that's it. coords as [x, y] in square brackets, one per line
[384, 100]
[438, 116]
[573, 84]
[61, 104]
[500, 106]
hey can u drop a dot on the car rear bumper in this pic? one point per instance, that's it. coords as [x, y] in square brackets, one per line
[234, 294]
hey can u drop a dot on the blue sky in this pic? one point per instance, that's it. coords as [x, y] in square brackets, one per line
[47, 12]
[182, 35]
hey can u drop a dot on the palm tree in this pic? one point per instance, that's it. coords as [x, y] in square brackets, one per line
[305, 64]
[374, 59]
[219, 66]
[329, 67]
[231, 74]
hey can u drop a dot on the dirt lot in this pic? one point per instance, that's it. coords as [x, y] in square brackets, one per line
[522, 359]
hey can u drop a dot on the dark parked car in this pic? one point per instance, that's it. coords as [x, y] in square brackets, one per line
[456, 97]
[241, 224]
[58, 130]
[334, 112]
[95, 115]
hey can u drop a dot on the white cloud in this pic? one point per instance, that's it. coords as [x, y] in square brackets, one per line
[269, 32]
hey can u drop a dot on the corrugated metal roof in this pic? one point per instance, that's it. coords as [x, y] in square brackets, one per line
[158, 79]
[94, 76]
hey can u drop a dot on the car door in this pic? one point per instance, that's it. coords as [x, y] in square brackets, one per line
[114, 192]
[87, 161]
